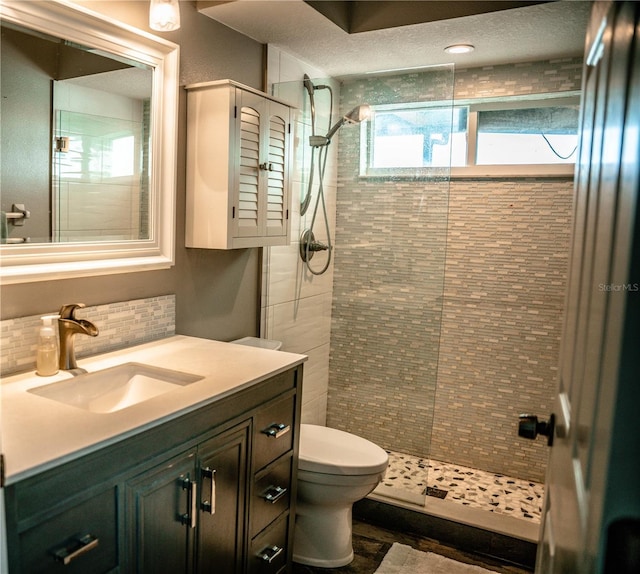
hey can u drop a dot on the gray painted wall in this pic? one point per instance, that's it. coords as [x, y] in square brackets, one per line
[216, 292]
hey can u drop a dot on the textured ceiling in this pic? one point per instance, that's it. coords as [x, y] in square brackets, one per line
[542, 31]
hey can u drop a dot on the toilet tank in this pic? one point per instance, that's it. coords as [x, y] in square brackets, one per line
[271, 344]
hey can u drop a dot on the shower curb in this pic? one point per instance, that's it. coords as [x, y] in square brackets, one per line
[501, 547]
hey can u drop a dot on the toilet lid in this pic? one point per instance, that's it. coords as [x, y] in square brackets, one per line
[332, 451]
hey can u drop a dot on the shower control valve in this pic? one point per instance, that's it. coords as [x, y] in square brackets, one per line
[309, 245]
[317, 246]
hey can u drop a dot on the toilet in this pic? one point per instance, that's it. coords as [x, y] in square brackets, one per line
[335, 469]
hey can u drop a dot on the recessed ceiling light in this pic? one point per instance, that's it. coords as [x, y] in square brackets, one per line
[459, 49]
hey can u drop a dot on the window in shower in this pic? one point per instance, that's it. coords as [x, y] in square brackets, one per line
[542, 135]
[403, 136]
[532, 135]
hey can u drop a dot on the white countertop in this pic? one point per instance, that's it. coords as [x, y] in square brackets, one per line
[39, 433]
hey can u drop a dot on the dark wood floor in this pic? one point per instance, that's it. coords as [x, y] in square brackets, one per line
[371, 543]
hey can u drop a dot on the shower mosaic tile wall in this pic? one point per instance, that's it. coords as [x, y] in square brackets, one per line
[121, 324]
[388, 282]
[501, 297]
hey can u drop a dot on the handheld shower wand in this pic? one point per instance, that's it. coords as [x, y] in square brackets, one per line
[311, 88]
[308, 244]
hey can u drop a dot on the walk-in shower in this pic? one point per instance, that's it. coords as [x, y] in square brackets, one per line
[411, 365]
[319, 151]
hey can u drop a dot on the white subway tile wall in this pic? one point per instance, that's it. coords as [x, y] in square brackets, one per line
[121, 325]
[296, 305]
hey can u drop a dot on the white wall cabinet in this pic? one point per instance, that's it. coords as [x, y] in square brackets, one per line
[238, 167]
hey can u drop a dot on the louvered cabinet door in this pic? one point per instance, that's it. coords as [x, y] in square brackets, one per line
[276, 211]
[251, 112]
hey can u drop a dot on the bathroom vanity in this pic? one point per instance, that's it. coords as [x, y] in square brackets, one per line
[199, 478]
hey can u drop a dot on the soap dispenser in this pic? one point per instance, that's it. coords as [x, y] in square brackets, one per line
[48, 356]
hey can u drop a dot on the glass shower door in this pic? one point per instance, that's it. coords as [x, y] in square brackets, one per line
[392, 206]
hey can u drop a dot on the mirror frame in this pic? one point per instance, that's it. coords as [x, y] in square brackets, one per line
[50, 261]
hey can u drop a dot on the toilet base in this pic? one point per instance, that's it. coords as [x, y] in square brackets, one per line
[306, 561]
[323, 536]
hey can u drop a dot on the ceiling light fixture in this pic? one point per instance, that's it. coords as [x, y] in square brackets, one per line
[459, 49]
[164, 15]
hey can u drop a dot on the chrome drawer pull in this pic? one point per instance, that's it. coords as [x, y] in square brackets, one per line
[210, 505]
[76, 548]
[276, 430]
[273, 494]
[270, 553]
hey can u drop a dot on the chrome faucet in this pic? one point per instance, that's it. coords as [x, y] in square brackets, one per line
[68, 326]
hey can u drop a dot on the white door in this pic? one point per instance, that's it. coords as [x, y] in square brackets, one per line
[593, 478]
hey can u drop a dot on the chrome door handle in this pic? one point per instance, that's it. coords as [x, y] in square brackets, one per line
[190, 517]
[210, 505]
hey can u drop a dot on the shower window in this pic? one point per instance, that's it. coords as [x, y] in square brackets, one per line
[533, 135]
[418, 137]
[527, 136]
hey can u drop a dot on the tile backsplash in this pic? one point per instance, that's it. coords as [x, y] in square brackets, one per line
[121, 325]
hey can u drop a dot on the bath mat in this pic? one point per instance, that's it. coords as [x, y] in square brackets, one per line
[402, 559]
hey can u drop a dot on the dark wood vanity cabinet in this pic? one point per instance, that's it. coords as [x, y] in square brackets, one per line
[212, 491]
[193, 500]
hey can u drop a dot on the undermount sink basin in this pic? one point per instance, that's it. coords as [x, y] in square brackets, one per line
[115, 388]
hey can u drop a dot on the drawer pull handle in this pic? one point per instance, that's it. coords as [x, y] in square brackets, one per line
[77, 547]
[270, 553]
[276, 430]
[210, 505]
[274, 493]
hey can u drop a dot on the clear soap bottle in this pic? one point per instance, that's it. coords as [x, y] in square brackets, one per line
[48, 356]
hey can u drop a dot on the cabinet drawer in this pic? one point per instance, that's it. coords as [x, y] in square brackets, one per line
[84, 535]
[271, 496]
[273, 435]
[269, 550]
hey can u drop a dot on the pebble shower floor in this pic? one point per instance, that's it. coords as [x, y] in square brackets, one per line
[467, 486]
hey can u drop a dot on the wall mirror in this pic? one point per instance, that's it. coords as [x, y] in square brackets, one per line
[89, 130]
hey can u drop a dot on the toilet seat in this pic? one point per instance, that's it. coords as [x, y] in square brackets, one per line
[331, 451]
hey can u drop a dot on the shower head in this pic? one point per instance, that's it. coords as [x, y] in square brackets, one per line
[355, 116]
